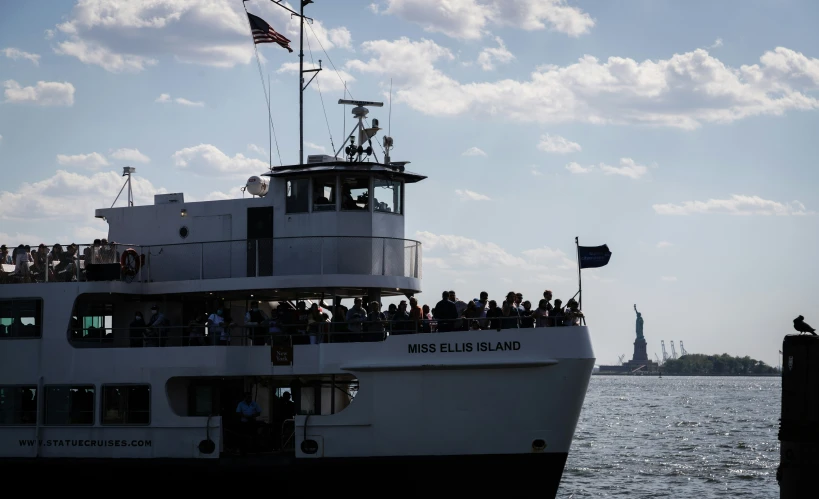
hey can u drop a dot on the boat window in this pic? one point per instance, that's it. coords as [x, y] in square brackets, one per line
[93, 323]
[18, 405]
[69, 405]
[126, 404]
[21, 318]
[297, 194]
[324, 194]
[387, 195]
[355, 193]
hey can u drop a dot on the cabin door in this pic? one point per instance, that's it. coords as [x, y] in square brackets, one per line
[260, 241]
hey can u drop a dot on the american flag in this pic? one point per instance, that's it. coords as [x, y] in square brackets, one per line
[263, 33]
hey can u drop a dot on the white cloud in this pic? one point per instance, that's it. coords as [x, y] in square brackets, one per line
[1, 137]
[557, 144]
[737, 204]
[328, 80]
[473, 151]
[628, 168]
[207, 159]
[315, 147]
[91, 161]
[495, 55]
[233, 193]
[15, 54]
[578, 168]
[87, 234]
[683, 91]
[717, 44]
[470, 19]
[467, 195]
[668, 278]
[67, 195]
[131, 36]
[166, 98]
[258, 150]
[130, 155]
[664, 244]
[44, 93]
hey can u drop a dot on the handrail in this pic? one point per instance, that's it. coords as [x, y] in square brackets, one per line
[289, 334]
[230, 258]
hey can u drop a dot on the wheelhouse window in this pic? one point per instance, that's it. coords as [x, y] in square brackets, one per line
[355, 193]
[324, 194]
[126, 404]
[21, 318]
[69, 405]
[18, 405]
[297, 195]
[387, 195]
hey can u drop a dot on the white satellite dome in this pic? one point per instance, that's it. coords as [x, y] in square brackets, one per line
[256, 186]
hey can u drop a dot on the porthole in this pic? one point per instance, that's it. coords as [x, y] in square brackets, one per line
[183, 232]
[539, 445]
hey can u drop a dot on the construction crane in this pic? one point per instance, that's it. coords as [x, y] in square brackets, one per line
[683, 351]
[620, 359]
[658, 359]
[673, 350]
[665, 354]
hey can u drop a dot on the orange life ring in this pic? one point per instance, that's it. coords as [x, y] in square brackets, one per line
[129, 261]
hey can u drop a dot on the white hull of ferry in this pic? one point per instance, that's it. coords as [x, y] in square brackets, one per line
[487, 396]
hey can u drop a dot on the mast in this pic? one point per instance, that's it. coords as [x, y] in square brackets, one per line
[302, 3]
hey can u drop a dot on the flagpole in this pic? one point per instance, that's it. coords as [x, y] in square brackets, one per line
[579, 280]
[301, 81]
[269, 128]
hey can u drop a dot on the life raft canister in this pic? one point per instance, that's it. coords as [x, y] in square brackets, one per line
[129, 262]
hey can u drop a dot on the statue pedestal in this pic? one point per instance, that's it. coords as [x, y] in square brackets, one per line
[640, 354]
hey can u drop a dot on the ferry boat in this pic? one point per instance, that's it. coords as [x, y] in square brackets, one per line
[85, 388]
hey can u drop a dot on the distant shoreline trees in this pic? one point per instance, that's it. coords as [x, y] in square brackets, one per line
[716, 364]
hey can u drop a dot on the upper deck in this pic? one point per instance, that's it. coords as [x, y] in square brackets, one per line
[326, 227]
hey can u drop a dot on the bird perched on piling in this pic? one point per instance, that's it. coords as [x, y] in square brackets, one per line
[803, 327]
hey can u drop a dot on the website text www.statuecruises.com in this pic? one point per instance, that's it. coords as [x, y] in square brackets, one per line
[85, 443]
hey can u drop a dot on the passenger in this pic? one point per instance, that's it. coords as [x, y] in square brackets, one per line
[136, 330]
[541, 314]
[196, 332]
[375, 326]
[401, 323]
[256, 320]
[480, 304]
[217, 332]
[302, 316]
[460, 307]
[157, 327]
[470, 315]
[338, 325]
[5, 258]
[556, 314]
[445, 313]
[527, 318]
[355, 317]
[509, 315]
[248, 411]
[572, 313]
[514, 313]
[426, 325]
[416, 315]
[317, 324]
[494, 315]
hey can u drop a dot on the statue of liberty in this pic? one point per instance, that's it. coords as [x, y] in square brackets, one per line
[639, 324]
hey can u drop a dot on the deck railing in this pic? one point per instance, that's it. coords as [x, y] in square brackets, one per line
[286, 256]
[288, 335]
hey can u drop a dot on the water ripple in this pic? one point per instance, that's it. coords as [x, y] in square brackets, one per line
[642, 437]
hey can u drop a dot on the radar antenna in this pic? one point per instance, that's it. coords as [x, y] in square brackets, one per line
[359, 152]
[126, 172]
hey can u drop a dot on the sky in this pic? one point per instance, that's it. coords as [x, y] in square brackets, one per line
[680, 134]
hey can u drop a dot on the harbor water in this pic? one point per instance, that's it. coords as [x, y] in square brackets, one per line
[681, 437]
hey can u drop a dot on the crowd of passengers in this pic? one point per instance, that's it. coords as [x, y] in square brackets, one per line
[42, 264]
[300, 324]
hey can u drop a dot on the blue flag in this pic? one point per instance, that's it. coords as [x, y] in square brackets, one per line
[592, 257]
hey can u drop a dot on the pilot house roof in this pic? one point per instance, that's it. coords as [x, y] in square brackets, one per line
[394, 170]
